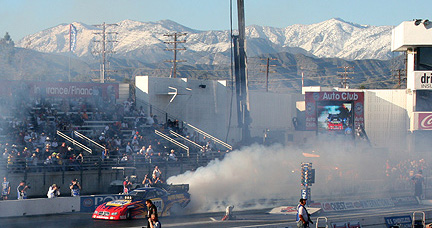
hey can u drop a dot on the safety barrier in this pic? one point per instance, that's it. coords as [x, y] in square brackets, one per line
[11, 208]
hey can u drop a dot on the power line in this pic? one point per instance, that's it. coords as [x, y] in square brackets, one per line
[103, 70]
[400, 77]
[175, 49]
[344, 75]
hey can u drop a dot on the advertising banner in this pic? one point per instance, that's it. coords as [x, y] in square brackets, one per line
[59, 89]
[424, 120]
[334, 111]
[357, 204]
[423, 80]
[89, 203]
[400, 221]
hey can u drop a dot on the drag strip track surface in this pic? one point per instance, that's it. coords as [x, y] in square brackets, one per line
[255, 218]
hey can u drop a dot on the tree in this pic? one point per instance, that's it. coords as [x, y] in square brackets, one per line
[7, 40]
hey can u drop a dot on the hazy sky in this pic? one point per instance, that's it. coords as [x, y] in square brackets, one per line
[24, 17]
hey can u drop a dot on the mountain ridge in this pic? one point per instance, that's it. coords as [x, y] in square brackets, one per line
[332, 38]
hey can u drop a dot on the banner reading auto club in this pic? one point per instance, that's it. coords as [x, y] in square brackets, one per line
[312, 98]
[423, 120]
[59, 89]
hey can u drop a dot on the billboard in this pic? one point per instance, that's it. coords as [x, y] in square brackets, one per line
[423, 80]
[59, 89]
[334, 111]
[423, 121]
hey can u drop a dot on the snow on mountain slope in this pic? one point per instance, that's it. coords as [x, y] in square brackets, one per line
[134, 39]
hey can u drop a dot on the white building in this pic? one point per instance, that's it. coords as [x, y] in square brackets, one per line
[415, 38]
[208, 105]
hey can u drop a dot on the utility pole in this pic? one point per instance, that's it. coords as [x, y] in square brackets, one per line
[400, 76]
[267, 71]
[175, 49]
[103, 69]
[344, 75]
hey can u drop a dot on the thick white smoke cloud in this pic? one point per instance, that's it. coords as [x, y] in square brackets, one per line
[252, 175]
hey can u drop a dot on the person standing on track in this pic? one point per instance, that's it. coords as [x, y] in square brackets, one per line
[22, 190]
[154, 222]
[303, 217]
[5, 189]
[75, 187]
[151, 210]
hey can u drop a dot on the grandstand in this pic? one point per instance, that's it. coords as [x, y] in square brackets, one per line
[43, 137]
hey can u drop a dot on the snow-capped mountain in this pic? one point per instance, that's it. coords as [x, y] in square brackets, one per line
[145, 41]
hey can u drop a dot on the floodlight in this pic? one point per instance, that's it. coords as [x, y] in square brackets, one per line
[417, 21]
[426, 22]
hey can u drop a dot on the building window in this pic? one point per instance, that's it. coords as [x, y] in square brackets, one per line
[423, 59]
[424, 100]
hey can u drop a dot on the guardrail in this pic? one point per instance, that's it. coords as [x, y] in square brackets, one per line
[173, 141]
[186, 139]
[93, 162]
[216, 140]
[73, 141]
[88, 139]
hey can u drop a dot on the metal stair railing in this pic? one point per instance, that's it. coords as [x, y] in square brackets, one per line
[73, 141]
[186, 139]
[216, 140]
[173, 141]
[88, 139]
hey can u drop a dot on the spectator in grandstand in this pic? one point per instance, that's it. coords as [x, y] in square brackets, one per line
[172, 156]
[63, 150]
[124, 158]
[142, 151]
[117, 141]
[80, 158]
[129, 148]
[5, 189]
[53, 191]
[150, 149]
[418, 181]
[147, 157]
[105, 154]
[157, 158]
[75, 187]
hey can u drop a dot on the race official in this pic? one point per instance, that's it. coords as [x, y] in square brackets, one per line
[303, 217]
[5, 189]
[75, 188]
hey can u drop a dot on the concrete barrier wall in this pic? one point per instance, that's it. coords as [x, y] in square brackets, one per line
[46, 206]
[92, 181]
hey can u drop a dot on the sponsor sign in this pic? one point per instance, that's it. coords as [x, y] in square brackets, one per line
[288, 209]
[423, 80]
[424, 121]
[89, 203]
[404, 200]
[59, 89]
[401, 221]
[335, 98]
[356, 205]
